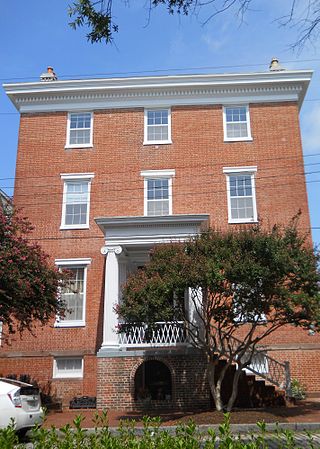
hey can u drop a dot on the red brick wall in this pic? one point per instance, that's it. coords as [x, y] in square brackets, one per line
[198, 155]
[41, 370]
[116, 378]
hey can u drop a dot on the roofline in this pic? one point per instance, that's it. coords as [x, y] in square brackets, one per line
[125, 82]
[101, 93]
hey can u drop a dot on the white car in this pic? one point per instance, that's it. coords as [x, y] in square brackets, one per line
[20, 401]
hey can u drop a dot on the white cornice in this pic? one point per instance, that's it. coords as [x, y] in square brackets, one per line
[156, 91]
[147, 230]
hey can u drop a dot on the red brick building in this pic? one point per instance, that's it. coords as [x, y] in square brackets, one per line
[106, 169]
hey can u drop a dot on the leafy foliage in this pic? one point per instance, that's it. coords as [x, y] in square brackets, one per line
[298, 390]
[28, 283]
[244, 276]
[248, 279]
[98, 17]
[127, 436]
[100, 22]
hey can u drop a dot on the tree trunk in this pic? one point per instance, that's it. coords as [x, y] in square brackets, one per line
[234, 393]
[215, 386]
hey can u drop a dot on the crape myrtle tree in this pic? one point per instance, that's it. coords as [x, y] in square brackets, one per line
[98, 15]
[248, 280]
[29, 284]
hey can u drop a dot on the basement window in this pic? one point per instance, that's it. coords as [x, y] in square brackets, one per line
[64, 367]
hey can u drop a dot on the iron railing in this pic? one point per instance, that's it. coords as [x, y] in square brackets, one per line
[161, 333]
[261, 364]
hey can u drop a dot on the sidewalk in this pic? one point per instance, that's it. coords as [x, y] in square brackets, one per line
[304, 412]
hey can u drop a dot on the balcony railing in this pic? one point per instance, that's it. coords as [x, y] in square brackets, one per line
[162, 333]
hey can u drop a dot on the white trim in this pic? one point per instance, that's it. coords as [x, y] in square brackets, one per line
[77, 175]
[74, 263]
[149, 230]
[67, 374]
[157, 174]
[252, 168]
[85, 145]
[75, 178]
[156, 142]
[155, 91]
[229, 171]
[236, 139]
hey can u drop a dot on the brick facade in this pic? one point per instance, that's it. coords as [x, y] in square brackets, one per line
[198, 154]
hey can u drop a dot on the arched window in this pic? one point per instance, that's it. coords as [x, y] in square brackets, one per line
[153, 381]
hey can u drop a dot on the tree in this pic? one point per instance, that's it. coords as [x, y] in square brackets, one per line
[248, 280]
[29, 285]
[98, 16]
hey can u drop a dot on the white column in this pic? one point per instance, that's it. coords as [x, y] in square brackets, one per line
[195, 309]
[111, 296]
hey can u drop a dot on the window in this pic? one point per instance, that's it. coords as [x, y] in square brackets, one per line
[67, 367]
[236, 123]
[76, 201]
[158, 192]
[79, 132]
[73, 294]
[241, 194]
[157, 126]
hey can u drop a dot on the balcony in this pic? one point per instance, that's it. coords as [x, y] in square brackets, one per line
[161, 333]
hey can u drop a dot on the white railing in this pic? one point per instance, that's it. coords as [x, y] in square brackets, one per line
[162, 333]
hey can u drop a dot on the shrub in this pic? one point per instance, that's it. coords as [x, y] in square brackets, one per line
[185, 436]
[298, 391]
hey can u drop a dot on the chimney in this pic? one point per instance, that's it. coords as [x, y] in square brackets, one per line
[275, 66]
[49, 75]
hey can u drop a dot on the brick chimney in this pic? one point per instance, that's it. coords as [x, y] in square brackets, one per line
[275, 66]
[49, 75]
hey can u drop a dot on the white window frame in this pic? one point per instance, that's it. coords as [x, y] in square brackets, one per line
[236, 139]
[75, 177]
[79, 145]
[157, 174]
[74, 263]
[67, 374]
[156, 142]
[234, 171]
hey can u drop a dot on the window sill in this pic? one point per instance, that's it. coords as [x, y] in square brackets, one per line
[78, 376]
[66, 324]
[243, 221]
[79, 147]
[238, 139]
[66, 228]
[158, 142]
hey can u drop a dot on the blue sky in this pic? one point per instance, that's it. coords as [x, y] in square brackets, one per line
[35, 34]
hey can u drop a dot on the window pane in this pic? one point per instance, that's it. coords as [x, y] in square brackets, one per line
[157, 125]
[69, 364]
[236, 122]
[73, 295]
[241, 197]
[77, 199]
[158, 189]
[80, 126]
[158, 207]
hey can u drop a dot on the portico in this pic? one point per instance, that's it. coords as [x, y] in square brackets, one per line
[128, 241]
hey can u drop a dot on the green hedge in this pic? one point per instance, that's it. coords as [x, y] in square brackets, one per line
[152, 436]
